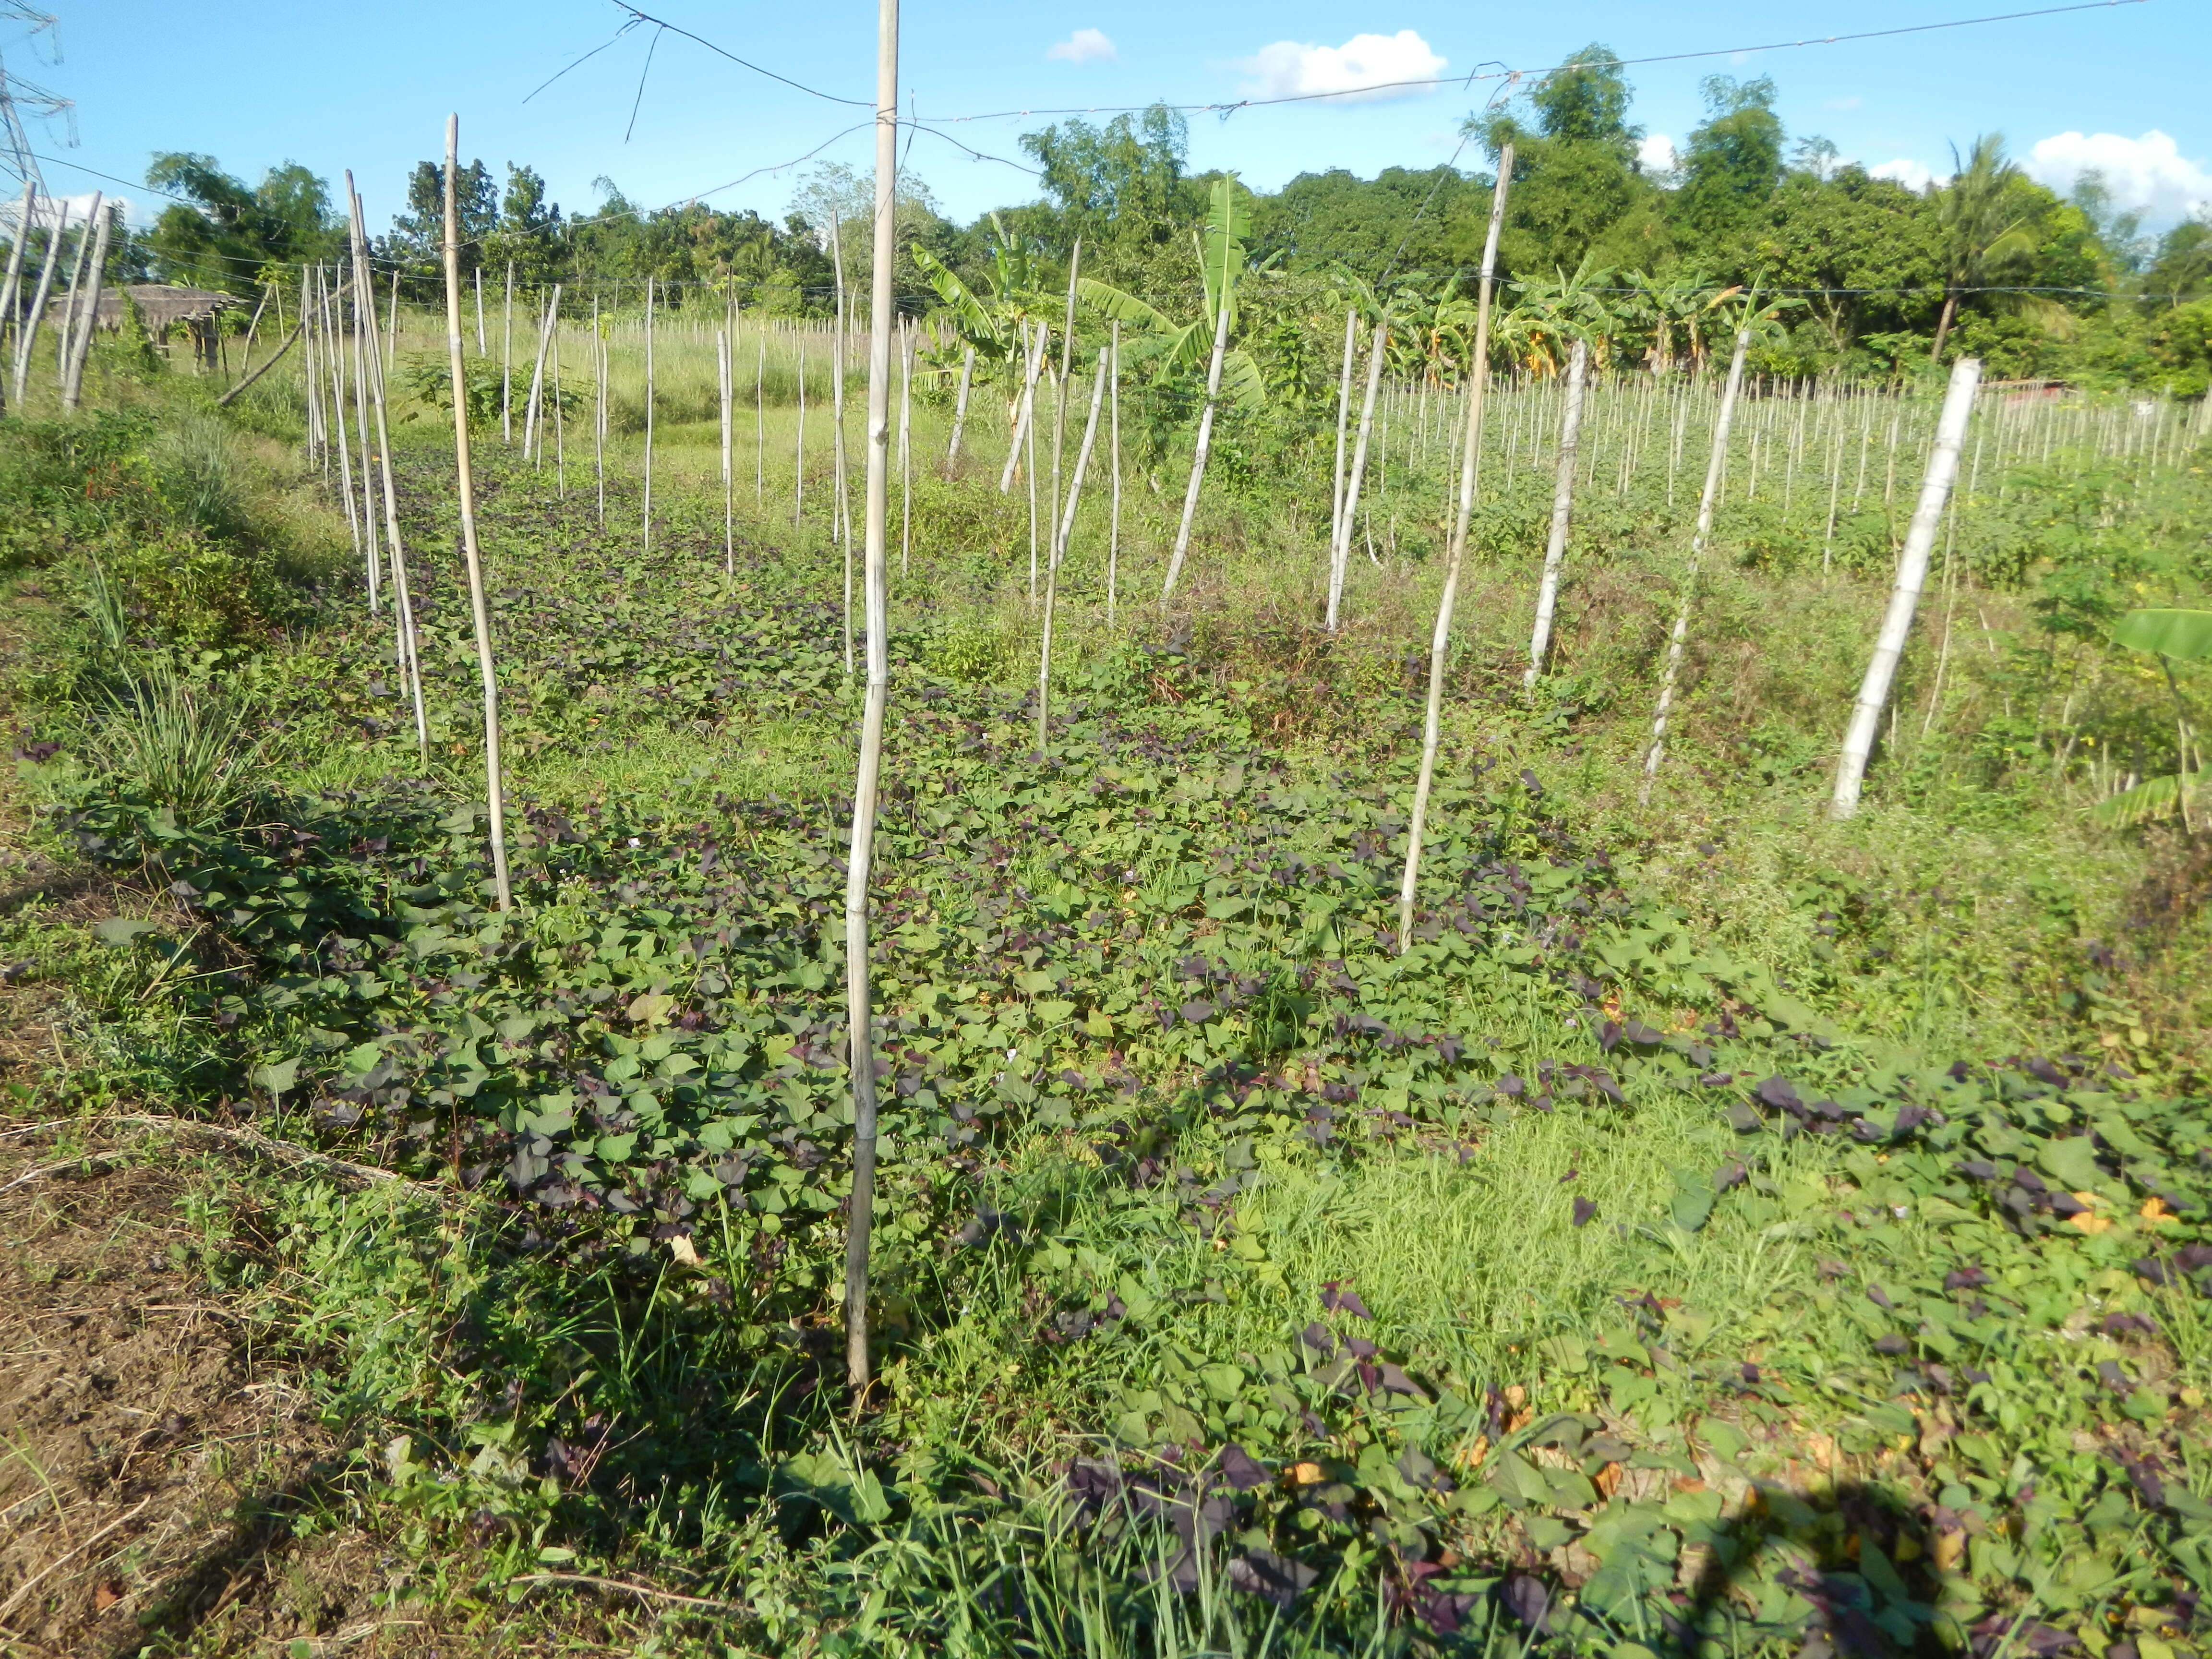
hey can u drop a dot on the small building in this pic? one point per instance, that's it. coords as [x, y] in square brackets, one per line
[162, 308]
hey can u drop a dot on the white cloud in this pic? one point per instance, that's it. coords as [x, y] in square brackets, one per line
[2149, 175]
[1657, 154]
[1851, 102]
[1913, 175]
[49, 208]
[1083, 46]
[1365, 67]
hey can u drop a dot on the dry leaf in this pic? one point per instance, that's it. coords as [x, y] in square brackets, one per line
[1305, 1474]
[1607, 1480]
[1470, 1457]
[2154, 1212]
[680, 1249]
[2090, 1223]
[1950, 1550]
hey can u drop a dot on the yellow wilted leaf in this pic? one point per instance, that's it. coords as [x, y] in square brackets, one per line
[1470, 1456]
[1305, 1474]
[2090, 1224]
[2154, 1212]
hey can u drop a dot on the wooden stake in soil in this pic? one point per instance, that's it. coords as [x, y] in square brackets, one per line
[1343, 424]
[506, 363]
[1563, 505]
[799, 466]
[722, 349]
[906, 449]
[1113, 523]
[600, 410]
[1470, 462]
[861, 1206]
[1340, 555]
[1224, 310]
[28, 337]
[483, 350]
[960, 407]
[479, 611]
[73, 380]
[534, 431]
[1716, 468]
[1904, 596]
[67, 341]
[1061, 536]
[11, 288]
[760, 426]
[648, 414]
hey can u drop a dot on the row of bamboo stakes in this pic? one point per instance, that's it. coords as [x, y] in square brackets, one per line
[87, 270]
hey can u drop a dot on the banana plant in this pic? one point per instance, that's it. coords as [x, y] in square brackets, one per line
[2166, 635]
[995, 319]
[1551, 315]
[1151, 337]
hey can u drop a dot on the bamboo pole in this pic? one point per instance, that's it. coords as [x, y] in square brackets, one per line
[391, 328]
[11, 288]
[403, 606]
[906, 449]
[1066, 370]
[533, 433]
[960, 407]
[760, 425]
[1061, 536]
[799, 467]
[73, 380]
[723, 345]
[364, 320]
[506, 363]
[1025, 404]
[1716, 470]
[1470, 462]
[560, 425]
[1029, 469]
[1343, 420]
[1904, 595]
[649, 402]
[600, 410]
[1113, 523]
[67, 342]
[483, 350]
[1563, 503]
[1340, 555]
[1224, 310]
[334, 366]
[860, 1206]
[840, 522]
[27, 339]
[479, 611]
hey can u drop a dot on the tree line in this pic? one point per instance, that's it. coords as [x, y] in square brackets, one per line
[1870, 277]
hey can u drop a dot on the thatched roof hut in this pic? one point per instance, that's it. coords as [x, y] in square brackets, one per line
[160, 307]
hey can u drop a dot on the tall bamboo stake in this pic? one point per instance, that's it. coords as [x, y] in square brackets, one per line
[334, 366]
[483, 350]
[12, 287]
[861, 1206]
[392, 329]
[1343, 422]
[67, 342]
[1061, 536]
[364, 353]
[506, 363]
[960, 407]
[841, 520]
[1224, 310]
[1340, 555]
[1023, 406]
[1563, 503]
[560, 428]
[1066, 368]
[1113, 529]
[479, 611]
[649, 402]
[600, 410]
[1470, 461]
[1030, 472]
[73, 381]
[799, 466]
[533, 431]
[28, 337]
[722, 349]
[403, 606]
[1904, 596]
[1716, 469]
[906, 449]
[760, 426]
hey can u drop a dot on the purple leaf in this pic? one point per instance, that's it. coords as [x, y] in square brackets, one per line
[1966, 1278]
[1583, 1210]
[1316, 1336]
[1240, 1470]
[1879, 1298]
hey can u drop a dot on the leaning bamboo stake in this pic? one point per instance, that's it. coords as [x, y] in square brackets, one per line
[860, 1206]
[1061, 536]
[1024, 406]
[533, 426]
[1066, 370]
[1343, 422]
[11, 289]
[334, 366]
[392, 329]
[1224, 310]
[560, 427]
[28, 339]
[649, 402]
[364, 320]
[1340, 555]
[73, 381]
[1563, 506]
[479, 611]
[960, 407]
[841, 518]
[1904, 596]
[67, 342]
[1470, 461]
[1716, 469]
[402, 605]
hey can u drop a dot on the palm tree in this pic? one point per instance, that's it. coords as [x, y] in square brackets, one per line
[1983, 227]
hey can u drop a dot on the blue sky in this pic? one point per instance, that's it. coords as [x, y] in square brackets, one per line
[254, 83]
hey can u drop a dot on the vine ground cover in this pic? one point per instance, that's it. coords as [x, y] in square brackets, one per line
[1581, 1276]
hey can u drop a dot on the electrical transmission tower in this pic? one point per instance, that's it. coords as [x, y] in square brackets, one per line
[20, 98]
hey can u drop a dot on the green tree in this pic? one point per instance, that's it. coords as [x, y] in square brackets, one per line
[417, 241]
[1121, 183]
[1399, 221]
[530, 233]
[1983, 222]
[1860, 242]
[2182, 269]
[1732, 163]
[224, 233]
[1578, 192]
